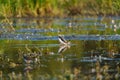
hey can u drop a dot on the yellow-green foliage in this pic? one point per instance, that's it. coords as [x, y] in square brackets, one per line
[35, 8]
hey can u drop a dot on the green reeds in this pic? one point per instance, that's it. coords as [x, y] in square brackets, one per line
[34, 8]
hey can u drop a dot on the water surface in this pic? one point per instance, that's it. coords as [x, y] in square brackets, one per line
[32, 51]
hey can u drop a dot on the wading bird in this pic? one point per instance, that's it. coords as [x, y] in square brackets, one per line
[64, 44]
[63, 41]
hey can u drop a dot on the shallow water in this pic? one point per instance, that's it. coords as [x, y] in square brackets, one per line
[33, 52]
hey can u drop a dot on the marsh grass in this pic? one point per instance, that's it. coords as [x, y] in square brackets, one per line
[37, 8]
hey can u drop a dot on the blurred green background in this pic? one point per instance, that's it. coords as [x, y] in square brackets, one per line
[58, 8]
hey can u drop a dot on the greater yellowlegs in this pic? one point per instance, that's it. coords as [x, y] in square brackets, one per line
[62, 40]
